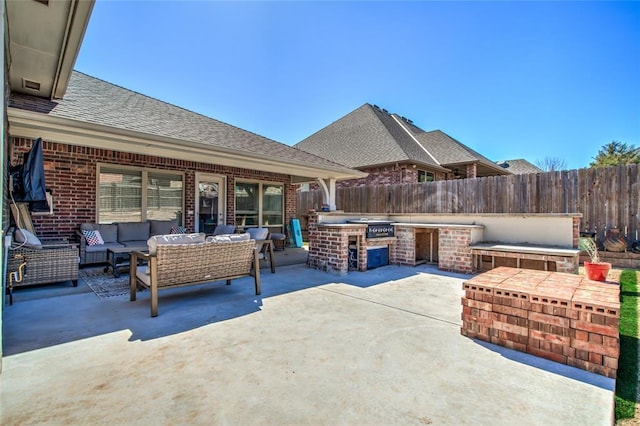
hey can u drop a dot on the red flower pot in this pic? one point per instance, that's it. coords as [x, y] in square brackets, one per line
[597, 271]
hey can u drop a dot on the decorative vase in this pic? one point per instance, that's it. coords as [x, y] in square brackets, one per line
[597, 271]
[614, 241]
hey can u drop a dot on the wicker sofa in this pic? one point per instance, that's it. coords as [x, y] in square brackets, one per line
[52, 262]
[173, 262]
[115, 235]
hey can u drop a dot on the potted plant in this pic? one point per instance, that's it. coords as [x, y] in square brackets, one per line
[595, 270]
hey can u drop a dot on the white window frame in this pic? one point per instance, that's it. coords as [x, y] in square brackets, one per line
[143, 194]
[200, 176]
[427, 173]
[261, 184]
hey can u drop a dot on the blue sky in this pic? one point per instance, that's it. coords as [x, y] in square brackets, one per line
[509, 79]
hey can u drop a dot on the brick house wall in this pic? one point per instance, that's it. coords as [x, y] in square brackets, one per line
[70, 172]
[387, 175]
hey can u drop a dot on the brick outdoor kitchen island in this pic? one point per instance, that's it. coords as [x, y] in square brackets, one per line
[340, 247]
[558, 316]
[340, 242]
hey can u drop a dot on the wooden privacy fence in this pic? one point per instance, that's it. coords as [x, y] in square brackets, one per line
[607, 197]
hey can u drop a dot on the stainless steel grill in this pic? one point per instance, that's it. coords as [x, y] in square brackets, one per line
[376, 228]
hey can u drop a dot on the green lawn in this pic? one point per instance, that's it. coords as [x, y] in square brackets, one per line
[627, 381]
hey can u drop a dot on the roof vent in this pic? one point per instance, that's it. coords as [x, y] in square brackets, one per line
[30, 84]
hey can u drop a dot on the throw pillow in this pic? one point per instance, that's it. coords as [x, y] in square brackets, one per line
[178, 230]
[93, 237]
[26, 238]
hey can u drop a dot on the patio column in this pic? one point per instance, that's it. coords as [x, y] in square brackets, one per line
[328, 187]
[472, 171]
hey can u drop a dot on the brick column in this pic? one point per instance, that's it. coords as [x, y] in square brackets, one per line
[576, 232]
[362, 252]
[454, 253]
[403, 252]
[329, 246]
[472, 171]
[314, 250]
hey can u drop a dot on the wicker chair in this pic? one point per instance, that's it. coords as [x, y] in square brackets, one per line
[178, 265]
[54, 262]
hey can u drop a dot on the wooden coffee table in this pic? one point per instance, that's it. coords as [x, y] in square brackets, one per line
[118, 257]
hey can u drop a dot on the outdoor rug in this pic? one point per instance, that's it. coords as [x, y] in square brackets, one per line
[105, 285]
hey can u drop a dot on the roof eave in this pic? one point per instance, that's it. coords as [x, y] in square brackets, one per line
[496, 168]
[407, 162]
[76, 28]
[31, 124]
[40, 62]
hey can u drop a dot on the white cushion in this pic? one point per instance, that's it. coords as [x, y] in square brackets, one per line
[26, 238]
[226, 238]
[168, 239]
[142, 272]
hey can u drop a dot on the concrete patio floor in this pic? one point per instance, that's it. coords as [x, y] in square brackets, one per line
[381, 347]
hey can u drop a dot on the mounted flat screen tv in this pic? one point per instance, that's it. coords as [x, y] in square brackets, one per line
[27, 180]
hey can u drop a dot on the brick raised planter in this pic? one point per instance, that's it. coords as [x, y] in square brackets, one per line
[558, 316]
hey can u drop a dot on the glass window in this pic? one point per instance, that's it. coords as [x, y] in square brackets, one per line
[164, 196]
[259, 204]
[247, 204]
[121, 197]
[424, 176]
[272, 205]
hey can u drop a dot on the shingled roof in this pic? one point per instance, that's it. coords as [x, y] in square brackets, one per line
[370, 136]
[89, 100]
[366, 136]
[519, 166]
[449, 151]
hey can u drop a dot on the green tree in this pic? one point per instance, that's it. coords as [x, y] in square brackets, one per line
[616, 154]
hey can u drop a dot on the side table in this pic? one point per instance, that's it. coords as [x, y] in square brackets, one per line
[118, 257]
